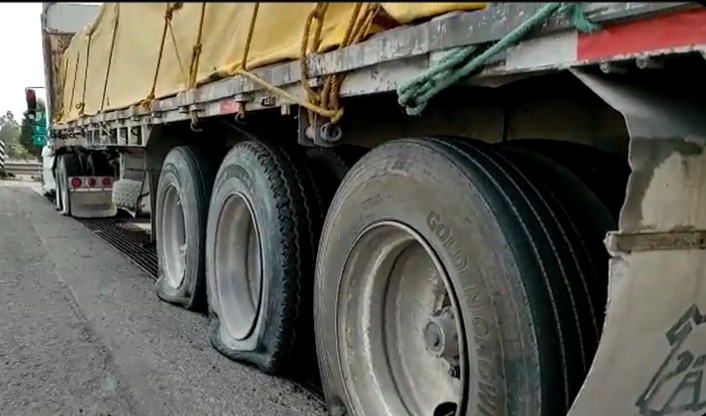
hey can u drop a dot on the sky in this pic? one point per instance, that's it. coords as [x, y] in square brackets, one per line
[21, 62]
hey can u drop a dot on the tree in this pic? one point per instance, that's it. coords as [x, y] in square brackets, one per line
[10, 135]
[25, 137]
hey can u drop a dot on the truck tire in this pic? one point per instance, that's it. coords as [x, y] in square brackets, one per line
[446, 284]
[330, 165]
[605, 173]
[68, 165]
[182, 199]
[263, 228]
[586, 215]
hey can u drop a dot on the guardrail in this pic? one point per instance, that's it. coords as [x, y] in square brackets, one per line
[23, 168]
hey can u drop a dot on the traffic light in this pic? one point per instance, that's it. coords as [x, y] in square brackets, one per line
[31, 98]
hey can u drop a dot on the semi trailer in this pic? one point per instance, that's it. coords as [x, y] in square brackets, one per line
[457, 208]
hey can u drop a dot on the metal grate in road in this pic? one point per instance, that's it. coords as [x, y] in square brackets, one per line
[132, 242]
[135, 244]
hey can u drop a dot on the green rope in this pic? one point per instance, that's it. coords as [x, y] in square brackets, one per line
[461, 62]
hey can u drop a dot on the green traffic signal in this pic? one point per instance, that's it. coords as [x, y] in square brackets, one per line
[39, 129]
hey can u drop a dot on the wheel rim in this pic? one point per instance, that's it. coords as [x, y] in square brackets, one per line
[173, 238]
[401, 349]
[238, 267]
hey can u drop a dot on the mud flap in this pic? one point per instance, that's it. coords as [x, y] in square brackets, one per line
[87, 202]
[92, 205]
[652, 354]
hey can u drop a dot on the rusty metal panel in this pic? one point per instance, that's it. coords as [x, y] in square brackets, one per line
[652, 354]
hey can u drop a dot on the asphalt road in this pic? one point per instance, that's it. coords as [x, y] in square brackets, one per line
[82, 333]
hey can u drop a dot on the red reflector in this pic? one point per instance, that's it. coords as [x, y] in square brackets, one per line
[107, 181]
[76, 182]
[91, 182]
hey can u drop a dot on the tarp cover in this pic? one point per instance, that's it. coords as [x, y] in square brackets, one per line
[138, 33]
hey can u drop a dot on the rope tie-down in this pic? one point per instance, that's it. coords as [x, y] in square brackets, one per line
[116, 24]
[168, 14]
[189, 77]
[462, 62]
[81, 106]
[324, 102]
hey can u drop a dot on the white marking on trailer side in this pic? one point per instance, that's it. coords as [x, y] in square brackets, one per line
[555, 49]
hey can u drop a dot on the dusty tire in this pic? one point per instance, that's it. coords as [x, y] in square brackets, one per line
[330, 165]
[67, 165]
[508, 269]
[585, 215]
[182, 201]
[263, 227]
[606, 174]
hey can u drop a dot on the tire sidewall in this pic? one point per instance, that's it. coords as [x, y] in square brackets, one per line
[240, 174]
[174, 174]
[431, 195]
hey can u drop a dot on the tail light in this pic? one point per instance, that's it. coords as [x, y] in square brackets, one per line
[107, 181]
[91, 182]
[76, 182]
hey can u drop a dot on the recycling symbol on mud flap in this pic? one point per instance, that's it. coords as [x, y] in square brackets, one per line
[677, 387]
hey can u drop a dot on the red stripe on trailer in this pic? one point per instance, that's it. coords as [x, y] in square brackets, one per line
[662, 32]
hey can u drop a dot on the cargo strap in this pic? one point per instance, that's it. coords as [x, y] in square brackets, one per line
[82, 105]
[170, 8]
[189, 78]
[461, 62]
[73, 86]
[110, 56]
[325, 103]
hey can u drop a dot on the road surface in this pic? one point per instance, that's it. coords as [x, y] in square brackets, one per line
[82, 333]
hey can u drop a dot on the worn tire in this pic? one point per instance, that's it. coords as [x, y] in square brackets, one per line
[606, 174]
[189, 174]
[585, 215]
[277, 188]
[517, 292]
[330, 165]
[67, 165]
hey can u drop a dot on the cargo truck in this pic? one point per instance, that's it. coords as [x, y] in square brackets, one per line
[471, 208]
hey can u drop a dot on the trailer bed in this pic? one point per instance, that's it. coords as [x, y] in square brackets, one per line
[381, 63]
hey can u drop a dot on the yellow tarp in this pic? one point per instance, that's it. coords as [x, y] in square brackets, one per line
[133, 31]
